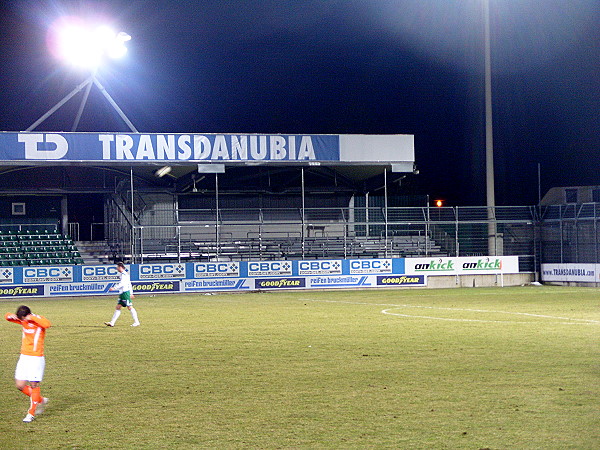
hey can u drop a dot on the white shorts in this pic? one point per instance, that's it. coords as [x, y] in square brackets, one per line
[30, 368]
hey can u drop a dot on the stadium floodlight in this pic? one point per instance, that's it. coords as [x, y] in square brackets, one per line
[165, 170]
[82, 45]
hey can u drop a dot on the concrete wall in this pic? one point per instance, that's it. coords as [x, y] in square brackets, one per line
[452, 281]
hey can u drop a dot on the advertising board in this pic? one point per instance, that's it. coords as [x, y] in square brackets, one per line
[57, 281]
[477, 265]
[583, 273]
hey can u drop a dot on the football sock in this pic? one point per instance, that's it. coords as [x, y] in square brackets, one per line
[36, 397]
[134, 315]
[26, 390]
[116, 315]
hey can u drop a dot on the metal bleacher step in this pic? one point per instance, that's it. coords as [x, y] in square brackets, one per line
[95, 252]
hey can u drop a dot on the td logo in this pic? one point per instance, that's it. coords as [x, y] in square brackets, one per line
[44, 146]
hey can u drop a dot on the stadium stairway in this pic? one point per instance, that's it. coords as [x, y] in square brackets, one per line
[95, 252]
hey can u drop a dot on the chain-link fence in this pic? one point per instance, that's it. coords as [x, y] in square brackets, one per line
[159, 231]
[569, 233]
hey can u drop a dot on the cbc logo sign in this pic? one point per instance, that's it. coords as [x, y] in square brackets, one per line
[224, 269]
[269, 268]
[98, 273]
[319, 267]
[42, 272]
[371, 266]
[35, 274]
[159, 271]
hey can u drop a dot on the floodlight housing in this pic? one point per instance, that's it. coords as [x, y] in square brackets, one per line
[85, 45]
[163, 171]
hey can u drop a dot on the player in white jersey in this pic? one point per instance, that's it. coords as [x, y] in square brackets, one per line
[125, 290]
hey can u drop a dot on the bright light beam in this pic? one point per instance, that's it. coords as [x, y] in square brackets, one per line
[85, 46]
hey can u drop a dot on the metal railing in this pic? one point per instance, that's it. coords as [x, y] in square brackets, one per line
[553, 234]
[293, 233]
[18, 228]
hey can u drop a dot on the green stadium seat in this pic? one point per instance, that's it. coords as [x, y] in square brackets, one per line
[37, 246]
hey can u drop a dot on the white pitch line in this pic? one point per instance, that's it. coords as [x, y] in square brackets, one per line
[562, 320]
[387, 311]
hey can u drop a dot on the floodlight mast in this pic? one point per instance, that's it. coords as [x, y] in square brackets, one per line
[86, 95]
[114, 47]
[489, 139]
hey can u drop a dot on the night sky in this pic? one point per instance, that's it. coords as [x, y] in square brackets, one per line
[332, 66]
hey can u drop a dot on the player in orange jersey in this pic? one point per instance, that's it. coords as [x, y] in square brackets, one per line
[32, 362]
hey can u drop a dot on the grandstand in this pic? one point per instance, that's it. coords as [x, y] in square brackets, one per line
[167, 221]
[83, 209]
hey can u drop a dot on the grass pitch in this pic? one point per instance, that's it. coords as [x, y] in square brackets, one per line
[460, 368]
